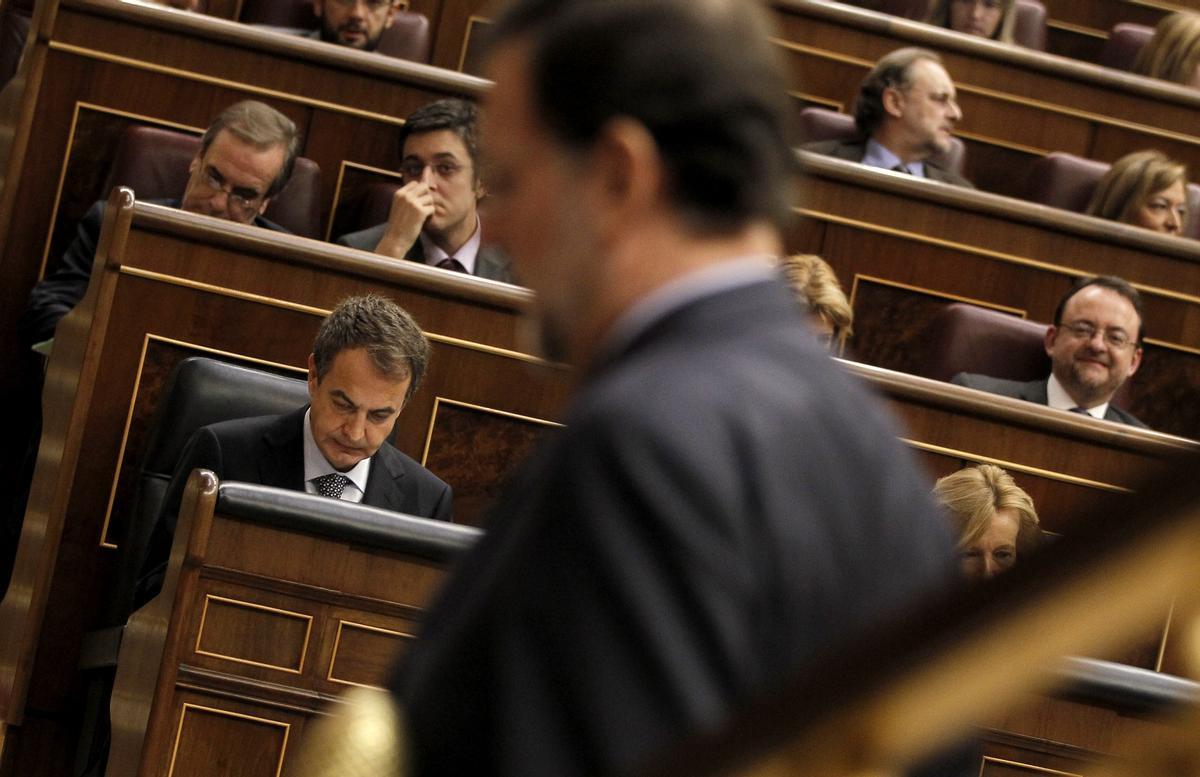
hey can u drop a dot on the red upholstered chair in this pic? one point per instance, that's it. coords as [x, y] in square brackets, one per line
[968, 338]
[154, 163]
[823, 124]
[1029, 29]
[408, 37]
[1121, 49]
[1067, 181]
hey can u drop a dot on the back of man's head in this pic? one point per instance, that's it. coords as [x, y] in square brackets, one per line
[396, 345]
[893, 70]
[700, 75]
[261, 126]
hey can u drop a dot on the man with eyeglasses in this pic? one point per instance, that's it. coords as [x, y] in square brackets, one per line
[434, 216]
[245, 158]
[1094, 347]
[355, 23]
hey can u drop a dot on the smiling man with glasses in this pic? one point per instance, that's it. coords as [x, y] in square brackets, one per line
[245, 158]
[1094, 346]
[434, 216]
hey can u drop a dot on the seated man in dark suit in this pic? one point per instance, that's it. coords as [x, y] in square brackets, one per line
[905, 113]
[1094, 346]
[355, 23]
[246, 156]
[367, 360]
[434, 217]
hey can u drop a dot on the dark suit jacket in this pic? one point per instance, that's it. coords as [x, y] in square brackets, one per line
[67, 280]
[1033, 391]
[853, 151]
[723, 504]
[269, 451]
[490, 262]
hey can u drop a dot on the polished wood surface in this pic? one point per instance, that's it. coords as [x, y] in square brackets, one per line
[171, 284]
[101, 64]
[905, 247]
[241, 649]
[1017, 104]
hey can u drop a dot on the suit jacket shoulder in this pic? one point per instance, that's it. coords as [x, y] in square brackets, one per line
[936, 172]
[490, 262]
[1120, 416]
[850, 150]
[1031, 391]
[364, 239]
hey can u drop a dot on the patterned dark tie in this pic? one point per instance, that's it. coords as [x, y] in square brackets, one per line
[331, 485]
[452, 264]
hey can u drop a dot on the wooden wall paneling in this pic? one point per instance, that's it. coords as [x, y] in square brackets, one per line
[453, 26]
[184, 287]
[352, 182]
[249, 645]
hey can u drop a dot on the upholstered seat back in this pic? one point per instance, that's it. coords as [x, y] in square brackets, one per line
[200, 391]
[968, 338]
[1124, 44]
[823, 124]
[154, 163]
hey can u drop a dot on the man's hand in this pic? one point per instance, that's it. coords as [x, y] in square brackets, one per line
[412, 204]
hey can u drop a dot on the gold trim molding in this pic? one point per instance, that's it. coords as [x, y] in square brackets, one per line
[337, 642]
[189, 707]
[1018, 312]
[1015, 467]
[439, 401]
[306, 619]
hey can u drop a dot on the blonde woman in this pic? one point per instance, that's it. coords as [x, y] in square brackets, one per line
[1146, 189]
[995, 519]
[993, 19]
[1173, 54]
[815, 284]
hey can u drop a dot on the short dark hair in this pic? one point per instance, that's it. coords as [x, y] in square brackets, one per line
[452, 113]
[261, 126]
[893, 69]
[397, 346]
[1113, 283]
[701, 77]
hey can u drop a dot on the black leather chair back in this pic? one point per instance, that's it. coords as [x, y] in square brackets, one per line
[201, 391]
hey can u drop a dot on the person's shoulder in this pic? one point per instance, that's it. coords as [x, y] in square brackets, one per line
[852, 149]
[936, 172]
[1124, 417]
[1004, 386]
[364, 239]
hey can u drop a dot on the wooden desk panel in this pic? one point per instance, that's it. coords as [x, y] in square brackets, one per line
[903, 248]
[169, 285]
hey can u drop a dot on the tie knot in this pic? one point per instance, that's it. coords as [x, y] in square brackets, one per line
[450, 263]
[331, 485]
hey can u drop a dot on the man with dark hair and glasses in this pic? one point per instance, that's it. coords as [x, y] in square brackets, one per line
[245, 158]
[1094, 345]
[355, 23]
[434, 217]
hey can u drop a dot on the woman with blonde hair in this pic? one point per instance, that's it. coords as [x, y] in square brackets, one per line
[816, 286]
[995, 520]
[993, 19]
[1173, 54]
[1146, 189]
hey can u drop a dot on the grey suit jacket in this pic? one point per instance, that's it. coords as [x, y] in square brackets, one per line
[853, 151]
[1033, 391]
[490, 263]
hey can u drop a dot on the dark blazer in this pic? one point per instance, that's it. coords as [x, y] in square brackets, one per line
[66, 281]
[1033, 391]
[490, 262]
[723, 504]
[269, 451]
[853, 151]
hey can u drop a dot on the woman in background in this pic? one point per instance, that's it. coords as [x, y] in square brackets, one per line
[993, 19]
[1146, 189]
[1173, 54]
[816, 286]
[995, 520]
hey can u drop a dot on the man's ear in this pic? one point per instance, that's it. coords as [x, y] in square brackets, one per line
[396, 8]
[1135, 362]
[312, 375]
[262, 207]
[893, 102]
[318, 7]
[626, 169]
[194, 165]
[1051, 334]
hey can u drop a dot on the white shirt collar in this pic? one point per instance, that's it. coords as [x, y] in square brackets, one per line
[316, 465]
[466, 254]
[1058, 398]
[878, 155]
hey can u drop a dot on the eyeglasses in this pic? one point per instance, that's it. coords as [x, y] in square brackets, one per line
[1115, 338]
[372, 5]
[241, 199]
[412, 169]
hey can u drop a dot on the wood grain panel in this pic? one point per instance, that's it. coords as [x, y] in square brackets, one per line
[253, 633]
[364, 654]
[213, 740]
